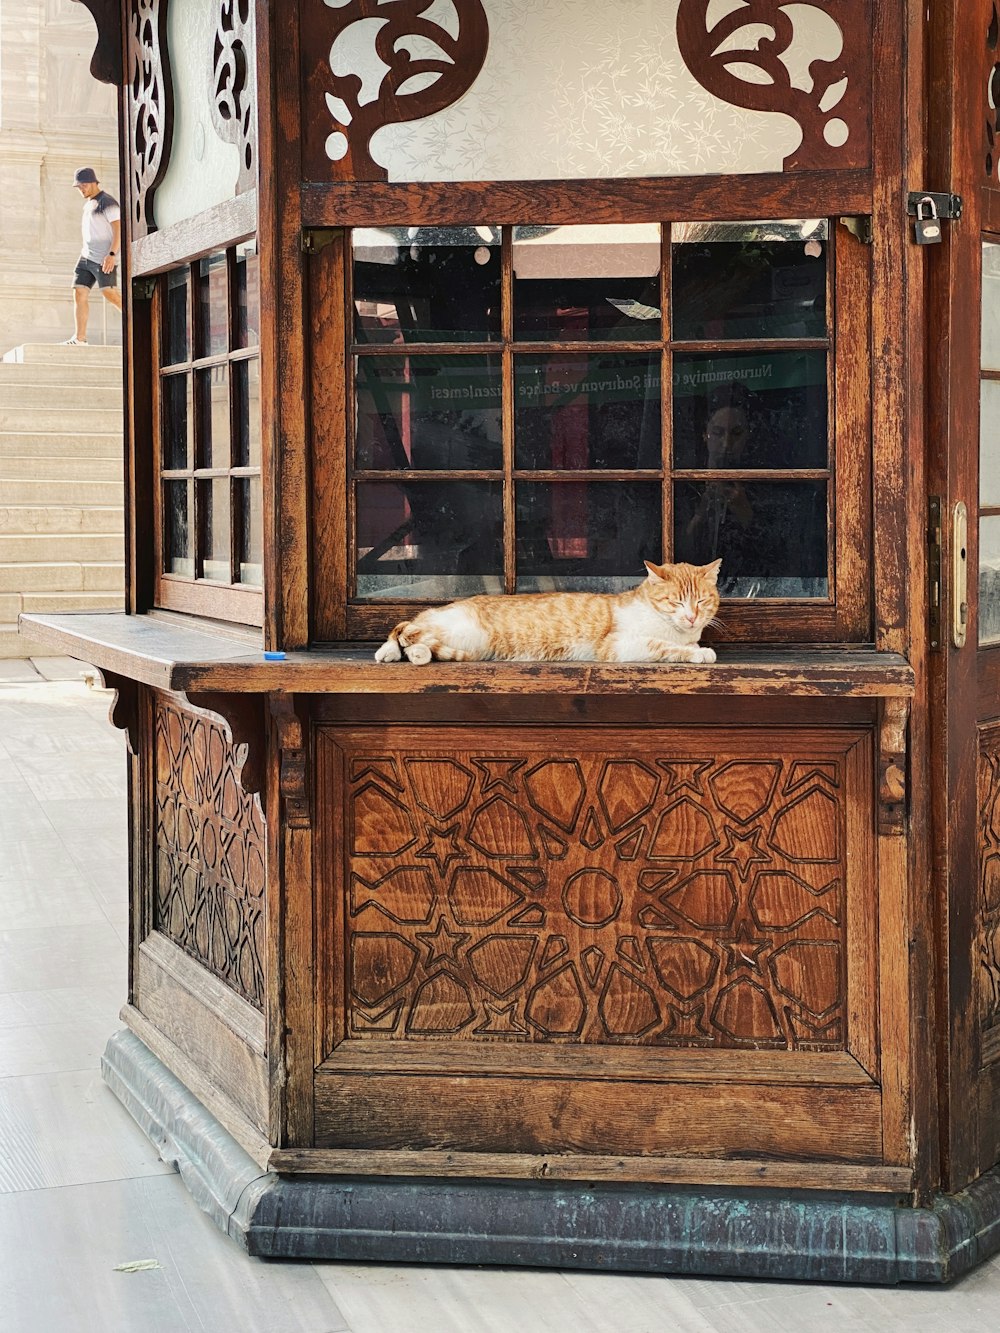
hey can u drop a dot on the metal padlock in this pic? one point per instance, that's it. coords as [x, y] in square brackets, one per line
[927, 230]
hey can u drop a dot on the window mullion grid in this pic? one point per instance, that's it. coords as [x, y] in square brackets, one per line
[192, 427]
[507, 409]
[235, 506]
[350, 408]
[666, 401]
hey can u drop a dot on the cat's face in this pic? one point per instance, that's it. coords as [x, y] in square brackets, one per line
[685, 595]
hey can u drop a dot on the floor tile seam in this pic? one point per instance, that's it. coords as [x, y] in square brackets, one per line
[169, 1174]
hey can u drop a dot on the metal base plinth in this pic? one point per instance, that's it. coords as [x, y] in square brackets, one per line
[636, 1228]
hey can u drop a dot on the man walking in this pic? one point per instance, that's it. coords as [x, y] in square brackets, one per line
[102, 233]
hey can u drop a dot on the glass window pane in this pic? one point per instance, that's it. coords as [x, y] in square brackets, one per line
[178, 422]
[213, 416]
[251, 532]
[246, 317]
[991, 306]
[426, 284]
[989, 579]
[212, 305]
[585, 283]
[751, 280]
[246, 408]
[214, 528]
[177, 322]
[771, 535]
[586, 535]
[989, 442]
[579, 411]
[428, 412]
[750, 410]
[432, 540]
[177, 556]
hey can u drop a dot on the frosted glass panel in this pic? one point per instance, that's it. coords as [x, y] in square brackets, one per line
[581, 88]
[989, 580]
[989, 442]
[991, 307]
[203, 170]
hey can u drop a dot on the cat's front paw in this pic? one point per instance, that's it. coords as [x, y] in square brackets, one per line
[389, 652]
[702, 654]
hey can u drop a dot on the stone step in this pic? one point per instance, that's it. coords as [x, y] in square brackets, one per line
[26, 467]
[54, 372]
[71, 398]
[45, 603]
[37, 547]
[36, 420]
[61, 444]
[45, 493]
[67, 518]
[13, 644]
[64, 576]
[59, 353]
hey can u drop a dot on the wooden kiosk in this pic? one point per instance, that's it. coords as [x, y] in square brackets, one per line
[656, 967]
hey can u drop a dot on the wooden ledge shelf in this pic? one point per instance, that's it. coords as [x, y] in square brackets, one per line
[172, 657]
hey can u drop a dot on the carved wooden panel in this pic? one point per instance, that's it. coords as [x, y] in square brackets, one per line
[234, 86]
[989, 881]
[209, 870]
[150, 108]
[676, 889]
[759, 56]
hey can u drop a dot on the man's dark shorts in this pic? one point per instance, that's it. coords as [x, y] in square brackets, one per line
[88, 271]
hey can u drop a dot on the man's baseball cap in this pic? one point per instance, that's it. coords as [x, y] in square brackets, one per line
[85, 176]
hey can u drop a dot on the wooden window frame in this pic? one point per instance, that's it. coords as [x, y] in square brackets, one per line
[846, 616]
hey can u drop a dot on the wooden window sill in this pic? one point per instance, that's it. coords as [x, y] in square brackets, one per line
[172, 657]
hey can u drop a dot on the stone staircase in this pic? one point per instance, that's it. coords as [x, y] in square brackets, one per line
[61, 488]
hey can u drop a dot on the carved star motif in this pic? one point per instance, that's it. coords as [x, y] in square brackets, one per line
[744, 951]
[499, 773]
[743, 850]
[685, 773]
[441, 847]
[442, 944]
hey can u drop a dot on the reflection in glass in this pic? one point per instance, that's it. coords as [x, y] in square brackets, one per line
[989, 579]
[426, 284]
[177, 558]
[212, 305]
[246, 407]
[989, 442]
[428, 412]
[750, 410]
[178, 421]
[213, 516]
[771, 535]
[574, 411]
[753, 280]
[586, 535]
[429, 540]
[213, 416]
[177, 334]
[251, 531]
[582, 283]
[246, 321]
[990, 358]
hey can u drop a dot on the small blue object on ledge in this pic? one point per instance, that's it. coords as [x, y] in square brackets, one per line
[274, 657]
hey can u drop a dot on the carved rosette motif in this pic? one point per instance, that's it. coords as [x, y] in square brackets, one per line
[209, 875]
[830, 99]
[416, 66]
[150, 108]
[991, 154]
[234, 99]
[671, 900]
[988, 782]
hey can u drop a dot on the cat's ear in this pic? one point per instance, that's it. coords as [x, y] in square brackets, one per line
[655, 571]
[711, 572]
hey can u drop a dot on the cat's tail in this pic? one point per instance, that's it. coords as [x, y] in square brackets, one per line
[418, 644]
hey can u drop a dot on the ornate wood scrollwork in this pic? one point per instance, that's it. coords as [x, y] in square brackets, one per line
[417, 66]
[991, 153]
[294, 764]
[830, 100]
[893, 718]
[106, 63]
[234, 99]
[150, 108]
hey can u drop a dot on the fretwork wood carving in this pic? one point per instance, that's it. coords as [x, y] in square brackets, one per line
[209, 871]
[150, 100]
[833, 109]
[106, 62]
[540, 890]
[988, 783]
[424, 68]
[992, 93]
[234, 97]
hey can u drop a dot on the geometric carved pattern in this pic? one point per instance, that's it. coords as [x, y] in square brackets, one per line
[516, 894]
[234, 110]
[209, 875]
[385, 64]
[829, 99]
[989, 877]
[150, 103]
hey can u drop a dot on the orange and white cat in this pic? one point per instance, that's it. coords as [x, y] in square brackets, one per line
[661, 620]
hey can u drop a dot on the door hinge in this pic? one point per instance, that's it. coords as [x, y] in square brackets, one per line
[315, 239]
[934, 569]
[859, 225]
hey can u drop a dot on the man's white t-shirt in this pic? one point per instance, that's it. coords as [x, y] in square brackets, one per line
[97, 234]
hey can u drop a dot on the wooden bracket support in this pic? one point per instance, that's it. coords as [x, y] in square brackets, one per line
[894, 715]
[243, 717]
[106, 63]
[293, 777]
[124, 710]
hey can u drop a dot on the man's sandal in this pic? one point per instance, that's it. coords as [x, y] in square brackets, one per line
[74, 342]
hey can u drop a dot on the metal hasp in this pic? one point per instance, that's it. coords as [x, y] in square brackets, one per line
[948, 207]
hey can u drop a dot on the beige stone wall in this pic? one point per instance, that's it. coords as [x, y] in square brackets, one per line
[54, 117]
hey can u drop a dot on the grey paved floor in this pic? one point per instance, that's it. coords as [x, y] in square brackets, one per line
[82, 1192]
